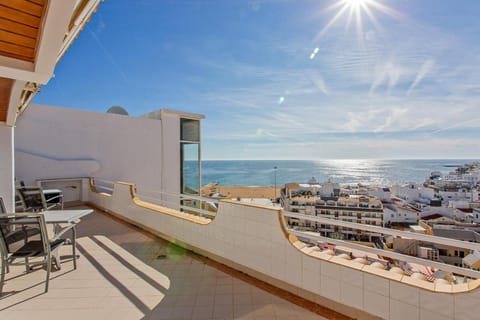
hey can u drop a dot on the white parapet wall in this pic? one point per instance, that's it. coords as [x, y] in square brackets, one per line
[251, 239]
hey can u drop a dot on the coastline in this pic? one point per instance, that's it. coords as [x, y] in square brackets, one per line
[231, 191]
[267, 192]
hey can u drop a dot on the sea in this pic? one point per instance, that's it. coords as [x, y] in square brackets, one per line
[279, 172]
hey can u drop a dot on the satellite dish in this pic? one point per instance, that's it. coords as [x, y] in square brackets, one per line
[118, 110]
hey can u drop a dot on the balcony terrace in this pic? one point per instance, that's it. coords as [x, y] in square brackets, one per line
[126, 273]
[142, 257]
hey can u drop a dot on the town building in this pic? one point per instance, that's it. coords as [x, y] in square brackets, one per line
[328, 200]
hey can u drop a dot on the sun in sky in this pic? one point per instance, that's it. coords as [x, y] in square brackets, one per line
[357, 12]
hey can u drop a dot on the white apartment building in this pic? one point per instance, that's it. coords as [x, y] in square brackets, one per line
[462, 194]
[397, 211]
[413, 192]
[327, 202]
[474, 217]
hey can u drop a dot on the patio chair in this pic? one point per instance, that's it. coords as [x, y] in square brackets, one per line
[33, 199]
[13, 235]
[2, 206]
[20, 239]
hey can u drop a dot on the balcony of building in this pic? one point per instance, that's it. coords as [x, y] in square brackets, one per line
[127, 273]
[126, 265]
[200, 268]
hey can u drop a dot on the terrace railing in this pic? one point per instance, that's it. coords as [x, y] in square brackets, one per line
[381, 252]
[193, 204]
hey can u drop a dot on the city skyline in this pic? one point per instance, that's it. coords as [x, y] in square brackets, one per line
[289, 80]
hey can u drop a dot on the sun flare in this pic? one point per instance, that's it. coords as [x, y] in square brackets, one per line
[355, 2]
[357, 11]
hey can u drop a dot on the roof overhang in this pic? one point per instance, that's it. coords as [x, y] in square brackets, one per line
[34, 35]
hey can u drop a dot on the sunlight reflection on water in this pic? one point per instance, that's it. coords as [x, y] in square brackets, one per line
[365, 171]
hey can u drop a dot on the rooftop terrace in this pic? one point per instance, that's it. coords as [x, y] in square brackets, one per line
[126, 273]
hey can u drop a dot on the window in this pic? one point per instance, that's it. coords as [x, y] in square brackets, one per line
[190, 130]
[190, 156]
[190, 168]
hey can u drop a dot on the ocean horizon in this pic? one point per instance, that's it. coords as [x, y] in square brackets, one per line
[365, 171]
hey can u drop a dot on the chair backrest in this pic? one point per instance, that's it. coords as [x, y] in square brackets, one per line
[3, 245]
[18, 230]
[33, 198]
[3, 211]
[2, 206]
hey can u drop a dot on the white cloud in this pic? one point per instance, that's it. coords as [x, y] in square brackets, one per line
[387, 73]
[319, 82]
[393, 119]
[359, 148]
[263, 133]
[424, 70]
[357, 88]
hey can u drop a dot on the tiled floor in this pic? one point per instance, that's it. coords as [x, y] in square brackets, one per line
[124, 273]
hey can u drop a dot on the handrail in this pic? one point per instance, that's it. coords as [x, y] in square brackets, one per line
[182, 196]
[393, 255]
[156, 201]
[161, 198]
[201, 211]
[200, 198]
[104, 185]
[392, 232]
[104, 181]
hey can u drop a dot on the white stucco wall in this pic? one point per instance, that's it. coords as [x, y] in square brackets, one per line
[251, 236]
[171, 159]
[7, 166]
[53, 142]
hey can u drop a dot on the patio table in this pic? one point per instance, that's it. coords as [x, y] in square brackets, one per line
[71, 217]
[65, 216]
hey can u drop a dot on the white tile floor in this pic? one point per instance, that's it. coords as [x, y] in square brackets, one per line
[120, 276]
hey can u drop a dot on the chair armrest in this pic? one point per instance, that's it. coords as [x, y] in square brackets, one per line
[59, 196]
[63, 230]
[52, 202]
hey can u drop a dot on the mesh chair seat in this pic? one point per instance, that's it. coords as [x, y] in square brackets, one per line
[25, 236]
[18, 235]
[34, 248]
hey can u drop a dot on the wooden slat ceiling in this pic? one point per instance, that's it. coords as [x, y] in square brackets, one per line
[5, 88]
[20, 22]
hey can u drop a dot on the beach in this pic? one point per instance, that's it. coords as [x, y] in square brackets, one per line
[267, 192]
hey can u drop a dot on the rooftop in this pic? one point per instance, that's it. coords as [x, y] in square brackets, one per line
[126, 273]
[351, 200]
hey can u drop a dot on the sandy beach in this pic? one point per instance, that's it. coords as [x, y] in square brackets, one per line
[267, 192]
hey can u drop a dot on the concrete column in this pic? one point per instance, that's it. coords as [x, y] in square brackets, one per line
[171, 159]
[7, 168]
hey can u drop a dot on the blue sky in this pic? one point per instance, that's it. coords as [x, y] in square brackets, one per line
[284, 79]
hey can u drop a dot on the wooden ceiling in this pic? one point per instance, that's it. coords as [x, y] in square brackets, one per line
[20, 23]
[5, 88]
